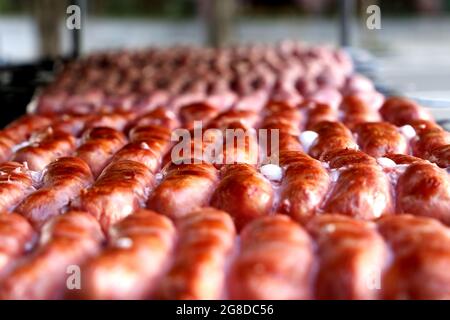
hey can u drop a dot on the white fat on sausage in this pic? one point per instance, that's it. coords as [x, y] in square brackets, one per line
[308, 139]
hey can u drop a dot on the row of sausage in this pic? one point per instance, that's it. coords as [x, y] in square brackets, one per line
[146, 256]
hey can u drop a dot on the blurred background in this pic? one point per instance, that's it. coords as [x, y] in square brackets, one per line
[409, 55]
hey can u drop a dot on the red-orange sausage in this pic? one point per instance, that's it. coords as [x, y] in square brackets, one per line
[119, 191]
[138, 250]
[99, 146]
[303, 186]
[355, 111]
[48, 146]
[401, 111]
[68, 240]
[16, 235]
[332, 136]
[421, 258]
[16, 183]
[206, 238]
[274, 261]
[380, 138]
[362, 191]
[319, 112]
[185, 188]
[114, 120]
[424, 189]
[63, 180]
[244, 193]
[351, 255]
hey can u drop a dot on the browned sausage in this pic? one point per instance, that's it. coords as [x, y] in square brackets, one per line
[138, 250]
[159, 117]
[62, 181]
[206, 238]
[318, 112]
[424, 189]
[352, 257]
[185, 188]
[99, 146]
[421, 256]
[68, 240]
[21, 129]
[114, 120]
[303, 186]
[244, 193]
[71, 124]
[441, 156]
[48, 146]
[332, 136]
[16, 182]
[197, 112]
[119, 191]
[362, 191]
[156, 137]
[274, 261]
[401, 111]
[16, 236]
[380, 138]
[355, 111]
[403, 158]
[427, 141]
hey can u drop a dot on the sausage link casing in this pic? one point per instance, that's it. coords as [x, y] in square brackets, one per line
[63, 180]
[48, 147]
[185, 188]
[244, 193]
[303, 186]
[274, 261]
[15, 235]
[206, 238]
[361, 191]
[129, 267]
[351, 256]
[68, 240]
[100, 144]
[424, 190]
[332, 136]
[119, 191]
[15, 184]
[421, 258]
[402, 111]
[380, 138]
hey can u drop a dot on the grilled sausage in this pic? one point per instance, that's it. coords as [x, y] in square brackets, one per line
[356, 110]
[185, 188]
[66, 241]
[16, 236]
[244, 193]
[274, 261]
[303, 186]
[380, 138]
[352, 257]
[47, 147]
[401, 111]
[206, 238]
[99, 146]
[119, 191]
[362, 191]
[421, 254]
[62, 181]
[138, 250]
[332, 136]
[16, 182]
[424, 189]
